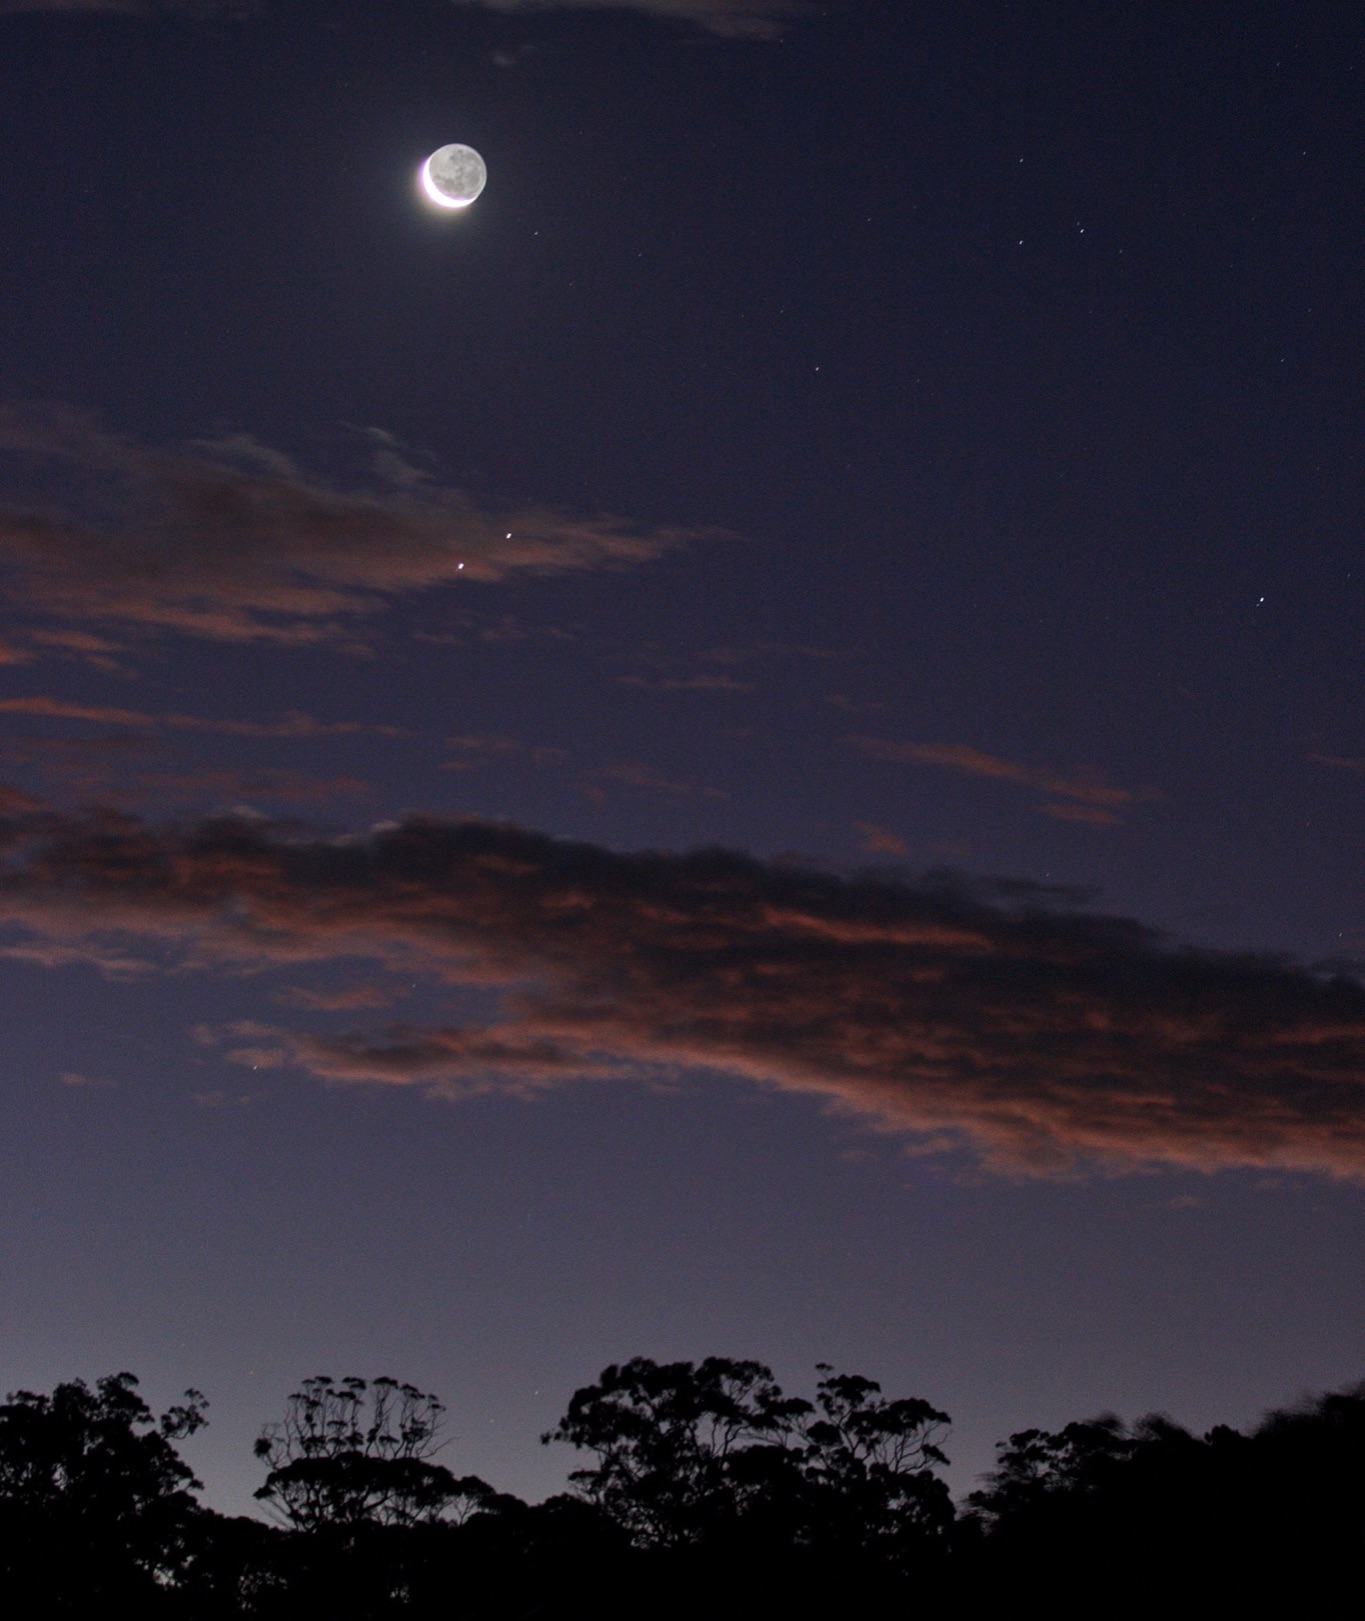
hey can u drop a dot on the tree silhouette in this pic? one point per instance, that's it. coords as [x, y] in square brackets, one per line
[353, 1453]
[95, 1504]
[716, 1452]
[1271, 1522]
[711, 1492]
[1037, 1469]
[869, 1465]
[668, 1438]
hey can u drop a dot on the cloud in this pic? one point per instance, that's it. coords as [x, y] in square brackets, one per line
[505, 1060]
[691, 683]
[206, 9]
[231, 541]
[1084, 796]
[635, 774]
[737, 19]
[473, 752]
[129, 8]
[841, 700]
[675, 672]
[1062, 810]
[30, 747]
[348, 999]
[96, 651]
[97, 768]
[77, 641]
[268, 783]
[15, 802]
[1354, 763]
[292, 723]
[219, 1099]
[1001, 1020]
[881, 841]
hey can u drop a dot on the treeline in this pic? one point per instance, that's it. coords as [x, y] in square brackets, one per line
[705, 1491]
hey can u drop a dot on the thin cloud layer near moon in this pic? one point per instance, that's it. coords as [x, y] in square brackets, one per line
[233, 542]
[132, 8]
[738, 19]
[1043, 1040]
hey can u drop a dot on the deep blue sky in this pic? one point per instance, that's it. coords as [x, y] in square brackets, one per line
[940, 426]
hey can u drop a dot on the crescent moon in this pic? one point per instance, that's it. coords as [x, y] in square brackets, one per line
[453, 176]
[436, 195]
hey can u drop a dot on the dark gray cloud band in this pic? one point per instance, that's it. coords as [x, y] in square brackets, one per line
[1040, 1038]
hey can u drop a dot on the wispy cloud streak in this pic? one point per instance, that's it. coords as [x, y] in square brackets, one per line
[1079, 796]
[737, 19]
[128, 8]
[291, 724]
[234, 542]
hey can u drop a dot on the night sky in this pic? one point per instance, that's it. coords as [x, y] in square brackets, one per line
[753, 746]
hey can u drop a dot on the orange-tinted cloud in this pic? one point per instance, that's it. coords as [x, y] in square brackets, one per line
[1066, 810]
[1081, 788]
[635, 774]
[1041, 1038]
[48, 708]
[468, 1062]
[100, 767]
[880, 841]
[290, 724]
[348, 999]
[88, 1083]
[234, 542]
[267, 783]
[15, 802]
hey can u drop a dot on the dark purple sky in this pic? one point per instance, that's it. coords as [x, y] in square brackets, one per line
[909, 452]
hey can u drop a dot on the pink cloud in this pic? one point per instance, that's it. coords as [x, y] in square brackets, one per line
[1039, 1038]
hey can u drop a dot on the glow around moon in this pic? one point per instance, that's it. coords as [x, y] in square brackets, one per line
[454, 176]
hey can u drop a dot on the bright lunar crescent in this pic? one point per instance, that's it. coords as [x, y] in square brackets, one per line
[454, 176]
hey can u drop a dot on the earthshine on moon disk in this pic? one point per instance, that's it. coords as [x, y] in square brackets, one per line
[454, 176]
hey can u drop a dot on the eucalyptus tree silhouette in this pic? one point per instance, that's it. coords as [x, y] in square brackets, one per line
[868, 1466]
[96, 1512]
[716, 1452]
[711, 1491]
[352, 1454]
[680, 1446]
